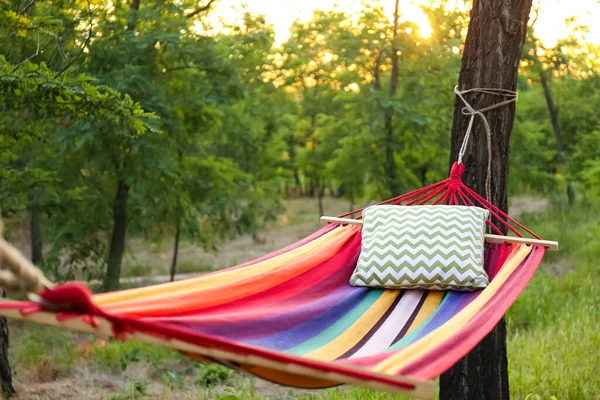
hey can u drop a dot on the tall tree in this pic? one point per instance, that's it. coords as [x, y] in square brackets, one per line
[491, 57]
[390, 163]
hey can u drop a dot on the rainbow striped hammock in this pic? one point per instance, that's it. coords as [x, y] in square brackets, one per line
[291, 317]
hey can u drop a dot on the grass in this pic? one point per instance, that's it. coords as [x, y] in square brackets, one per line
[118, 355]
[191, 267]
[137, 270]
[47, 352]
[553, 336]
[554, 326]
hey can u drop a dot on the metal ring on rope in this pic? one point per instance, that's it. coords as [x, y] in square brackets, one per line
[468, 110]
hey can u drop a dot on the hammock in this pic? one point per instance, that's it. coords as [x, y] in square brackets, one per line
[291, 317]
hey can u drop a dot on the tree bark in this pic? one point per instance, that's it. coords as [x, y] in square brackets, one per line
[117, 241]
[5, 373]
[553, 111]
[35, 231]
[390, 163]
[173, 269]
[493, 48]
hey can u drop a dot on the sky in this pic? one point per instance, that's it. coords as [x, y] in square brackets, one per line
[550, 25]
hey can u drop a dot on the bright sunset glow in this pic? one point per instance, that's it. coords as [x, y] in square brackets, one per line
[550, 26]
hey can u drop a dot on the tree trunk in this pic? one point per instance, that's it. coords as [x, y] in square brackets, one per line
[298, 183]
[173, 269]
[553, 111]
[134, 8]
[5, 373]
[35, 231]
[320, 193]
[117, 241]
[390, 163]
[491, 58]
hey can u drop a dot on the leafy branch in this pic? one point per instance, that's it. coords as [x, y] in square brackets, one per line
[199, 10]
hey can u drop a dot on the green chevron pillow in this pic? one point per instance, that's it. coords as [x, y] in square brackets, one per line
[422, 247]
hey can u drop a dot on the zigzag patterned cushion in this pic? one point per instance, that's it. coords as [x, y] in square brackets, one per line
[422, 247]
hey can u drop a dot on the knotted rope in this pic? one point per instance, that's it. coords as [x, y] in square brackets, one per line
[511, 96]
[16, 272]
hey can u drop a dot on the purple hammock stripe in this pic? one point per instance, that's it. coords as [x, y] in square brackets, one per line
[303, 332]
[309, 304]
[492, 257]
[442, 314]
[457, 301]
[279, 322]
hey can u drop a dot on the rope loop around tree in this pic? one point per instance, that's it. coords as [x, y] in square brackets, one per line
[468, 110]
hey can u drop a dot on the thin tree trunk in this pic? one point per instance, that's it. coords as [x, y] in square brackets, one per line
[119, 232]
[553, 111]
[117, 241]
[175, 249]
[5, 373]
[35, 231]
[134, 8]
[298, 182]
[376, 73]
[320, 190]
[390, 163]
[491, 58]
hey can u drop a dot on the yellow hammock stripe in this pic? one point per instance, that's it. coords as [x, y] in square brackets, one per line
[406, 356]
[336, 238]
[429, 306]
[357, 330]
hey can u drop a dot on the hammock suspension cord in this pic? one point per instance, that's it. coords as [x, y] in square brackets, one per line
[452, 191]
[468, 110]
[16, 272]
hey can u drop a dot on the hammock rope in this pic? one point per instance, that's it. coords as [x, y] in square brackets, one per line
[453, 191]
[468, 110]
[16, 272]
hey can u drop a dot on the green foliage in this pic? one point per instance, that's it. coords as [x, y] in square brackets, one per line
[118, 355]
[213, 374]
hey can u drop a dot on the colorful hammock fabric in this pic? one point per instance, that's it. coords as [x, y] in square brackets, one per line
[292, 318]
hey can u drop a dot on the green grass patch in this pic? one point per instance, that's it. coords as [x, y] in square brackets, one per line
[349, 393]
[192, 267]
[45, 351]
[117, 355]
[137, 270]
[554, 326]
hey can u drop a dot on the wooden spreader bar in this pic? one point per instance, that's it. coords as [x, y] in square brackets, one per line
[549, 244]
